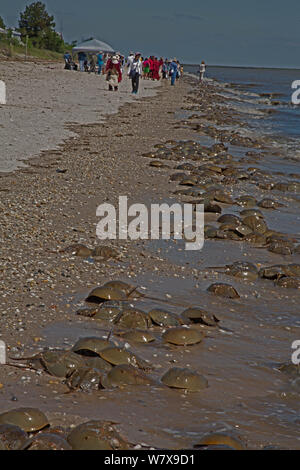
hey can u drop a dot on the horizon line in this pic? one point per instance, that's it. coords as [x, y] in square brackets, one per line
[248, 66]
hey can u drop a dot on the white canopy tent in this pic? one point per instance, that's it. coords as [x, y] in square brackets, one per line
[93, 46]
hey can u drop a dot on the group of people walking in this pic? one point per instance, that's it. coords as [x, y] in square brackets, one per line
[136, 66]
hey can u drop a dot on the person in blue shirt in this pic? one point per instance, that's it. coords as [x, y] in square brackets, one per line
[173, 71]
[82, 59]
[100, 62]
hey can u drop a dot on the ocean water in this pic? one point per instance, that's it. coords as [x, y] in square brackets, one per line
[275, 115]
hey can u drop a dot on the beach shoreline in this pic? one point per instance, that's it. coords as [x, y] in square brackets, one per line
[51, 204]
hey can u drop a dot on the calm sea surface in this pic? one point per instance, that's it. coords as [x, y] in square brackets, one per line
[248, 86]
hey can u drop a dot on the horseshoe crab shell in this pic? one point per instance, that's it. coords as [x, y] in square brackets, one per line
[12, 437]
[220, 439]
[198, 315]
[119, 356]
[104, 293]
[163, 318]
[28, 419]
[182, 336]
[91, 344]
[138, 336]
[61, 363]
[78, 250]
[177, 377]
[85, 379]
[46, 441]
[223, 290]
[125, 374]
[134, 318]
[256, 224]
[96, 435]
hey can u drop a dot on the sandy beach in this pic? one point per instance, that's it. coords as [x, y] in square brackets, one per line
[94, 151]
[42, 99]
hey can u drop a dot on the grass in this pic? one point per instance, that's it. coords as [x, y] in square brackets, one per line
[14, 51]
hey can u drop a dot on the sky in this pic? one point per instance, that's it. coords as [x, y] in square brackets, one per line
[264, 33]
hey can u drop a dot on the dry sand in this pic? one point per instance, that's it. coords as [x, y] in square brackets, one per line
[43, 98]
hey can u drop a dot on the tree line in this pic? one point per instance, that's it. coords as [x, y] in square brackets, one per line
[38, 27]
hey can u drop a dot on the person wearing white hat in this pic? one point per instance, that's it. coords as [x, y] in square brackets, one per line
[113, 73]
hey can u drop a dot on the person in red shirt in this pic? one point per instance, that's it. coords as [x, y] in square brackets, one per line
[113, 73]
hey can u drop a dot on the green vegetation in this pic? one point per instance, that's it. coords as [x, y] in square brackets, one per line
[37, 28]
[13, 49]
[2, 25]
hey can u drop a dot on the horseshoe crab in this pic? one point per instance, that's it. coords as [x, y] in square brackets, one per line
[104, 293]
[221, 196]
[242, 270]
[281, 247]
[280, 270]
[96, 435]
[12, 437]
[220, 439]
[55, 362]
[108, 314]
[293, 370]
[133, 318]
[105, 252]
[182, 336]
[113, 290]
[210, 231]
[125, 374]
[288, 282]
[198, 315]
[128, 289]
[209, 207]
[161, 317]
[272, 272]
[28, 419]
[78, 250]
[137, 336]
[186, 379]
[87, 312]
[223, 290]
[91, 346]
[46, 441]
[269, 204]
[119, 356]
[252, 212]
[229, 218]
[246, 201]
[256, 239]
[85, 379]
[256, 224]
[243, 230]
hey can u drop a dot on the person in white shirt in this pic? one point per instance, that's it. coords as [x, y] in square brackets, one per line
[135, 71]
[202, 69]
[130, 59]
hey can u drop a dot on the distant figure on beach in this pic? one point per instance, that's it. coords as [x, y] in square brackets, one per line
[113, 73]
[82, 59]
[68, 60]
[164, 70]
[173, 69]
[130, 59]
[135, 71]
[202, 69]
[146, 68]
[100, 62]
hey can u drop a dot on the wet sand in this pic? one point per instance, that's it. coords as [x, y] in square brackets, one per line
[52, 204]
